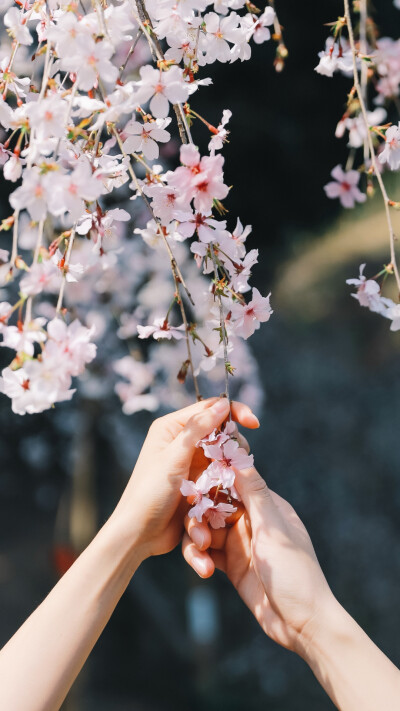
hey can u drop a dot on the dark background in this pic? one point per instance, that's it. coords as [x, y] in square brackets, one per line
[329, 438]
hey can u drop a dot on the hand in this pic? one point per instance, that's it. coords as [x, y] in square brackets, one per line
[151, 509]
[269, 558]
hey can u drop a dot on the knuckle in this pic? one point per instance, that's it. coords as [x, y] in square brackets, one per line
[257, 485]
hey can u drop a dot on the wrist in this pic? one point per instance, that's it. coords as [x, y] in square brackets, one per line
[124, 540]
[323, 629]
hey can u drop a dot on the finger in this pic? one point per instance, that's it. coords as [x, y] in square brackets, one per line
[198, 560]
[243, 442]
[198, 532]
[242, 414]
[199, 426]
[255, 494]
[218, 558]
[218, 538]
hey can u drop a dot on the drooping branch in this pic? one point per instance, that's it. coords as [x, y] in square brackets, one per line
[385, 198]
[146, 26]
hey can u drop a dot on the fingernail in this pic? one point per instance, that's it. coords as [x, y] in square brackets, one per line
[199, 565]
[222, 405]
[198, 537]
[255, 419]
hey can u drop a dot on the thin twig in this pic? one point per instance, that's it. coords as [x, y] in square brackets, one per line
[176, 272]
[144, 20]
[385, 197]
[66, 264]
[221, 323]
[28, 313]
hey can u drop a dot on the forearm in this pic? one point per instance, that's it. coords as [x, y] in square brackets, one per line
[43, 658]
[350, 667]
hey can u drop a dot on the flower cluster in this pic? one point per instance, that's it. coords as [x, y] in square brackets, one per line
[35, 384]
[225, 455]
[90, 120]
[372, 63]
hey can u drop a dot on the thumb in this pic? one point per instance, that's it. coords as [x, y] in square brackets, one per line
[255, 494]
[199, 426]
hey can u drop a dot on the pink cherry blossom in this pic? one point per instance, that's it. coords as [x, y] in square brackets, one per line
[247, 318]
[144, 137]
[41, 277]
[391, 152]
[22, 338]
[368, 292]
[34, 387]
[217, 515]
[345, 187]
[71, 344]
[161, 88]
[161, 329]
[220, 137]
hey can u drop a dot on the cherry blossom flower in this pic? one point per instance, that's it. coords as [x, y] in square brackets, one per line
[22, 338]
[219, 33]
[368, 292]
[247, 318]
[17, 85]
[208, 229]
[72, 272]
[199, 179]
[235, 456]
[48, 117]
[336, 57]
[345, 187]
[194, 489]
[69, 192]
[219, 138]
[394, 314]
[13, 169]
[356, 126]
[33, 388]
[161, 88]
[32, 195]
[218, 473]
[217, 515]
[200, 508]
[71, 344]
[144, 137]
[211, 445]
[391, 152]
[43, 276]
[18, 29]
[91, 61]
[240, 272]
[161, 329]
[260, 31]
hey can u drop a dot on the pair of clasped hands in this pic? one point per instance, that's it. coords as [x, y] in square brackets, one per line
[267, 554]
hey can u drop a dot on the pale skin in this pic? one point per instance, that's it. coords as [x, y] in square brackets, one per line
[270, 560]
[41, 661]
[267, 554]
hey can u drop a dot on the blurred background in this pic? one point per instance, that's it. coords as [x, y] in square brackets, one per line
[329, 440]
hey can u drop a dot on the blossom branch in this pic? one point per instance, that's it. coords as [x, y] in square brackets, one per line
[176, 273]
[384, 194]
[155, 47]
